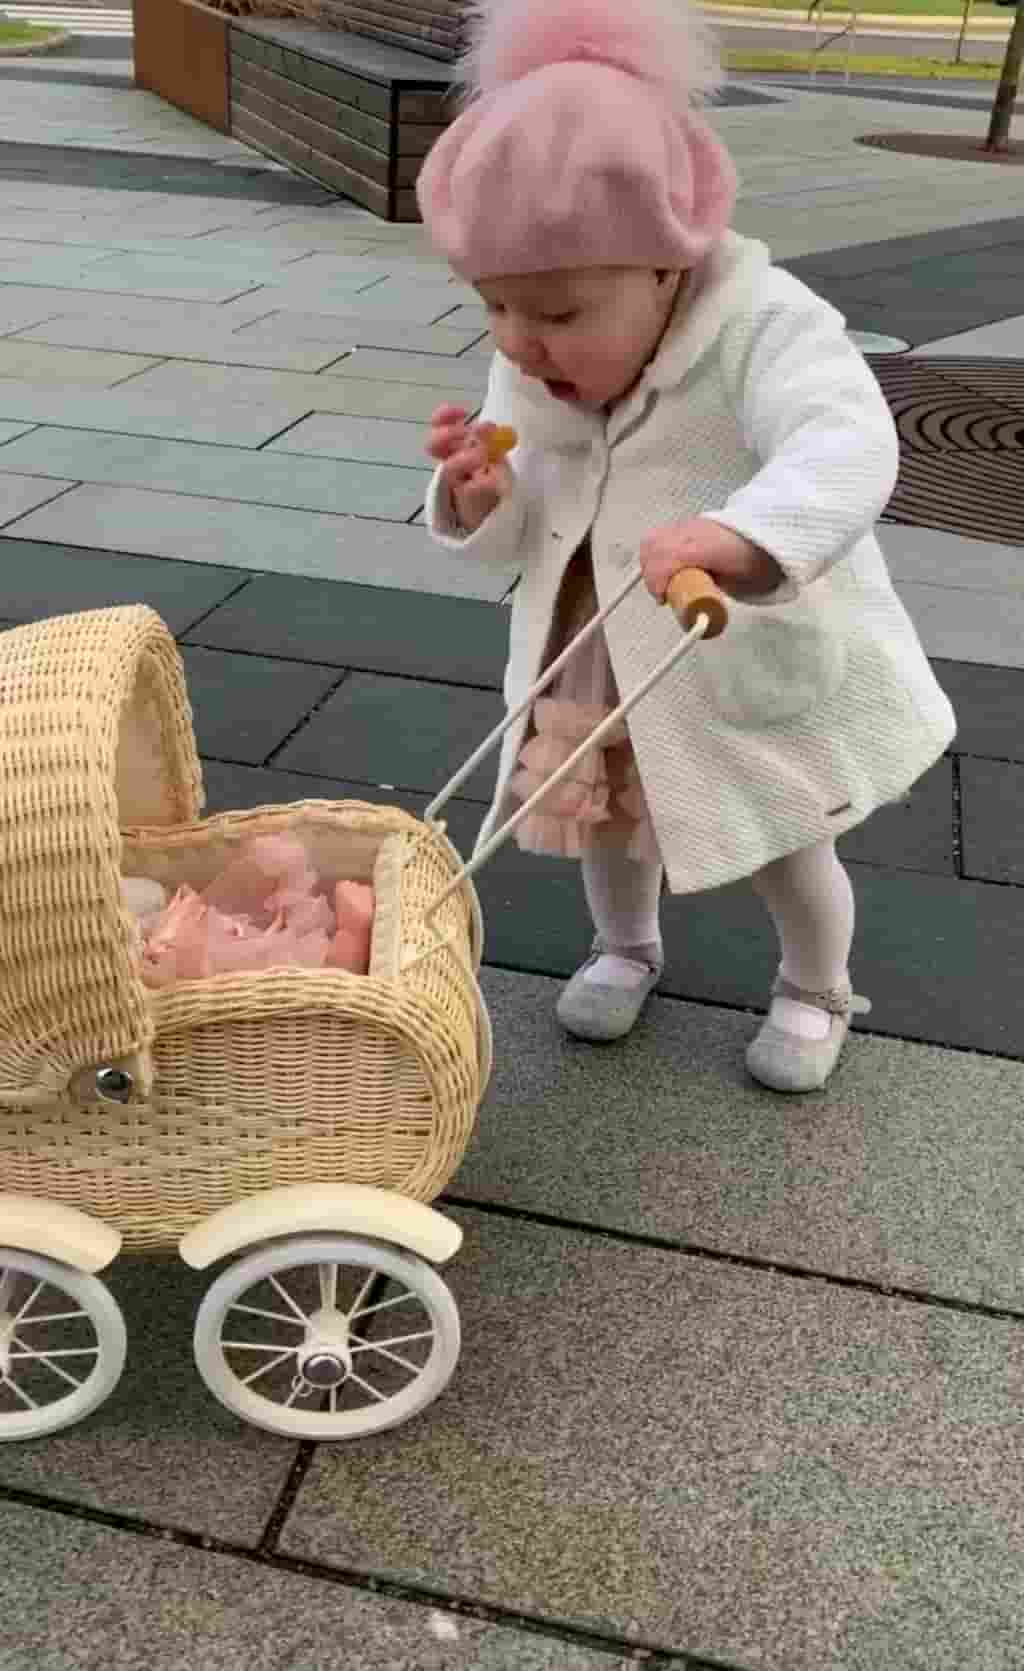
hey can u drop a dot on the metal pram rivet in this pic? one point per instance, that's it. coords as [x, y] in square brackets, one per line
[114, 1085]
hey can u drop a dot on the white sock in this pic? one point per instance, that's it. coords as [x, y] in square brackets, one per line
[624, 896]
[811, 903]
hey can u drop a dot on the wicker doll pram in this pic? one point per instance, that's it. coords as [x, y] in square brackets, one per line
[235, 1111]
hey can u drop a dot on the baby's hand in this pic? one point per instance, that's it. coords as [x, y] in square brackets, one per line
[739, 567]
[473, 463]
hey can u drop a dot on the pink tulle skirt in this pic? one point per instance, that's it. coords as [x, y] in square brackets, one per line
[604, 790]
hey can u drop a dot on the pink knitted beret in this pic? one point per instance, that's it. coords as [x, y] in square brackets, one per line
[580, 146]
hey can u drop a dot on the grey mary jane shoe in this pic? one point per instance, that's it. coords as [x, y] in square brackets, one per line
[783, 1062]
[604, 1013]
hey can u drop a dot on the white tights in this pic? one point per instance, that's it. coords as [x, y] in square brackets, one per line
[807, 894]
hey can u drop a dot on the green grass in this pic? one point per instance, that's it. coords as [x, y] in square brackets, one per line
[916, 69]
[22, 34]
[896, 8]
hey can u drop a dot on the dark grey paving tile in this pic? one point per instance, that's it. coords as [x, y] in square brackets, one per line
[38, 580]
[161, 1448]
[912, 312]
[400, 732]
[80, 1597]
[989, 706]
[913, 834]
[922, 247]
[375, 630]
[82, 165]
[906, 1171]
[753, 1468]
[992, 809]
[245, 706]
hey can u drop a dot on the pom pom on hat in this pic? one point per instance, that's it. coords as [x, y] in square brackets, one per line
[666, 43]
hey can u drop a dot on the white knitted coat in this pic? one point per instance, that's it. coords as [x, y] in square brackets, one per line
[816, 704]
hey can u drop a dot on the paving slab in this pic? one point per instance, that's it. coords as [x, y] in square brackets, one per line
[374, 440]
[989, 702]
[245, 706]
[343, 331]
[40, 580]
[161, 1448]
[904, 1173]
[132, 410]
[226, 1614]
[457, 640]
[940, 558]
[395, 367]
[961, 625]
[916, 833]
[10, 432]
[231, 787]
[19, 494]
[992, 800]
[177, 340]
[254, 537]
[230, 473]
[708, 1459]
[1003, 339]
[403, 733]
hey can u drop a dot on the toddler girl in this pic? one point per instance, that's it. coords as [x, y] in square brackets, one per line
[679, 402]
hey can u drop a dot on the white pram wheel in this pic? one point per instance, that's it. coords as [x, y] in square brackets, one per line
[62, 1344]
[327, 1337]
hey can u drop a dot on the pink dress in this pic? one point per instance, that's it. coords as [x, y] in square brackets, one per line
[604, 792]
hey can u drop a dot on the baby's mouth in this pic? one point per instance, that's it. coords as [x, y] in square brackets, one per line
[561, 391]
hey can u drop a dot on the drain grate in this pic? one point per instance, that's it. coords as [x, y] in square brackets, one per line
[961, 428]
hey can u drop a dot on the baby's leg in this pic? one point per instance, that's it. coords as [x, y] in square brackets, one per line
[605, 997]
[811, 903]
[624, 897]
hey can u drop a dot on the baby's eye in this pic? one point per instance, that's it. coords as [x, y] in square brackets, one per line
[562, 318]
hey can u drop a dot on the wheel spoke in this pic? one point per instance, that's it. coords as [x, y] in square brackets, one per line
[257, 1346]
[64, 1352]
[8, 1283]
[275, 1316]
[369, 1345]
[328, 1286]
[379, 1396]
[37, 1290]
[50, 1317]
[353, 1310]
[381, 1305]
[247, 1380]
[395, 1357]
[19, 1392]
[45, 1358]
[289, 1302]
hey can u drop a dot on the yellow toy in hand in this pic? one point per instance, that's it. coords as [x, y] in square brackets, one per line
[500, 442]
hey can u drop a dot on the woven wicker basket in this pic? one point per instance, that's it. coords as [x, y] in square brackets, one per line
[242, 1082]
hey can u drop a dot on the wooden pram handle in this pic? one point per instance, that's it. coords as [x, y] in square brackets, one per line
[691, 592]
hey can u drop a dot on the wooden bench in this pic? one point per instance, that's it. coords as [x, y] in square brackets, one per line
[355, 112]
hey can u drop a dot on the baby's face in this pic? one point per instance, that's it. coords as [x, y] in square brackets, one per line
[587, 335]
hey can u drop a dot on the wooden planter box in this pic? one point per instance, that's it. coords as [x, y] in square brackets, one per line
[355, 113]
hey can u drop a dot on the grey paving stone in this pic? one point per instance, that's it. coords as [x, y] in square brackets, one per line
[458, 640]
[245, 706]
[343, 331]
[712, 1460]
[237, 474]
[372, 440]
[161, 1448]
[960, 625]
[195, 341]
[989, 703]
[234, 788]
[892, 253]
[912, 834]
[19, 494]
[992, 806]
[402, 733]
[85, 168]
[246, 536]
[160, 1607]
[393, 367]
[135, 411]
[38, 580]
[10, 432]
[905, 1172]
[36, 362]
